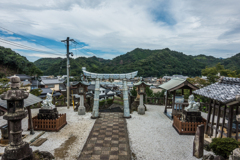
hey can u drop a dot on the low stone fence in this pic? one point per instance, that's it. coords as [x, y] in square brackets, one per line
[49, 124]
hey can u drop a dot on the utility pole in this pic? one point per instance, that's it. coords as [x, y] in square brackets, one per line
[68, 66]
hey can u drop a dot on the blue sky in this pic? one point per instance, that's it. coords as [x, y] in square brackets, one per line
[108, 28]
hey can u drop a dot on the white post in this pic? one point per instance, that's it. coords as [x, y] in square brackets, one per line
[95, 112]
[81, 108]
[125, 99]
[141, 108]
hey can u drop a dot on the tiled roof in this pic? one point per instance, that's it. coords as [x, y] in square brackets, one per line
[46, 90]
[32, 99]
[224, 91]
[51, 81]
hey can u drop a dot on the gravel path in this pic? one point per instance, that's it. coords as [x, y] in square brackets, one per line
[152, 137]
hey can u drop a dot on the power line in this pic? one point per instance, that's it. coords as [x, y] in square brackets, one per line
[25, 47]
[28, 39]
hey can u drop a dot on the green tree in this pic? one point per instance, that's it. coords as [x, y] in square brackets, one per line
[4, 85]
[133, 91]
[149, 92]
[36, 92]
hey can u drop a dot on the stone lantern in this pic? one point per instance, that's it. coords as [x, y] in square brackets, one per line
[141, 91]
[17, 148]
[81, 90]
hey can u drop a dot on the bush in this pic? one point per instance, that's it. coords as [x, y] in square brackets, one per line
[101, 103]
[223, 146]
[109, 101]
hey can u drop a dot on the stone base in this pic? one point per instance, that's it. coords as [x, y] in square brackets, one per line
[23, 152]
[190, 116]
[127, 117]
[48, 113]
[95, 117]
[141, 110]
[81, 110]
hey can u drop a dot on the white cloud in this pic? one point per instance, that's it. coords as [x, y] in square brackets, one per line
[201, 27]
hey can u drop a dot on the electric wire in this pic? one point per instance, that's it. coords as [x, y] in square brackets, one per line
[29, 39]
[25, 47]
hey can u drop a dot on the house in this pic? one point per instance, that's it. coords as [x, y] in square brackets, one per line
[48, 90]
[168, 78]
[53, 84]
[155, 89]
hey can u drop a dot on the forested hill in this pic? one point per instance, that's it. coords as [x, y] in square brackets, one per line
[13, 63]
[147, 62]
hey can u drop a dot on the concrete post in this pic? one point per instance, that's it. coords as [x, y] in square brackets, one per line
[198, 142]
[141, 108]
[95, 112]
[81, 108]
[125, 100]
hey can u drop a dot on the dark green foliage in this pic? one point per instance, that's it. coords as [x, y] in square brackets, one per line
[134, 91]
[159, 94]
[149, 92]
[223, 146]
[146, 62]
[102, 102]
[36, 92]
[109, 101]
[207, 147]
[19, 64]
[4, 85]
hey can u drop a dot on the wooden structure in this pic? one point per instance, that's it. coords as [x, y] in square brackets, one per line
[186, 128]
[48, 124]
[223, 107]
[171, 87]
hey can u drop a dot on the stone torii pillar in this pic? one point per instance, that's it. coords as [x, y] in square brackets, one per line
[17, 148]
[125, 100]
[95, 112]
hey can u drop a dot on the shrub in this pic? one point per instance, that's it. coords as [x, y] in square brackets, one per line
[101, 103]
[109, 101]
[223, 146]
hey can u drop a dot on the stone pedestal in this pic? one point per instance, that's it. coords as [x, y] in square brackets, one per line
[48, 113]
[81, 108]
[191, 116]
[198, 142]
[17, 148]
[141, 108]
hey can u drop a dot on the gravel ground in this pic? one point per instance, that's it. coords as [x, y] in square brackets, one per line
[152, 137]
[77, 126]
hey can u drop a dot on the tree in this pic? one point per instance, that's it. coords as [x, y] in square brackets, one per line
[4, 85]
[212, 72]
[199, 82]
[133, 91]
[36, 92]
[149, 92]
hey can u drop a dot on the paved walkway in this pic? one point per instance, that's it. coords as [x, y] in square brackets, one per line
[108, 139]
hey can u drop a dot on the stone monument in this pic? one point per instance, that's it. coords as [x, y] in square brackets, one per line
[48, 110]
[17, 148]
[192, 113]
[198, 142]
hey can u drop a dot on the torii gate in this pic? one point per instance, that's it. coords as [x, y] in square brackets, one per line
[98, 77]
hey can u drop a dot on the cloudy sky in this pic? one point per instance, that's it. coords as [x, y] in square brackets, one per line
[108, 28]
